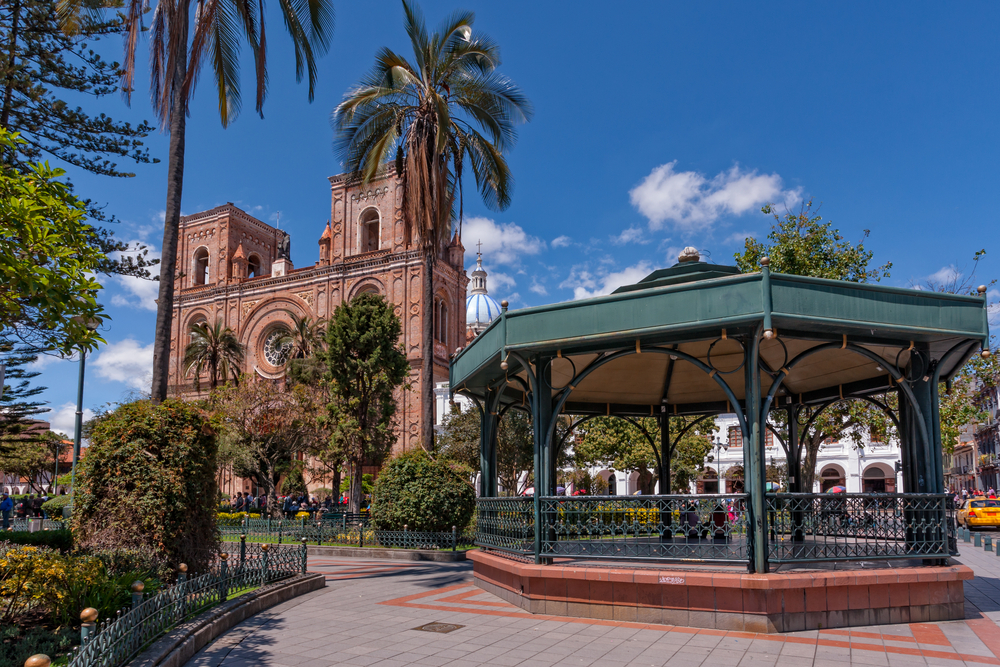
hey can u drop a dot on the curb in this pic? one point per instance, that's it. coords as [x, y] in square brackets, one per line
[437, 556]
[180, 645]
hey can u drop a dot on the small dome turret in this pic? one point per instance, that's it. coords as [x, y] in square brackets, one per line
[480, 307]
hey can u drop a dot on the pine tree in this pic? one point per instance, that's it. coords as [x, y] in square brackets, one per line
[19, 406]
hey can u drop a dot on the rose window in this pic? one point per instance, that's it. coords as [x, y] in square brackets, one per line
[276, 353]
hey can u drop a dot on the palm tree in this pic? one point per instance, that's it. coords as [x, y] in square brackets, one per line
[424, 115]
[220, 27]
[215, 347]
[304, 337]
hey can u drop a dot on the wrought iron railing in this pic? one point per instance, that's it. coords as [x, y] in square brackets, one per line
[507, 525]
[341, 532]
[707, 527]
[23, 524]
[116, 641]
[858, 526]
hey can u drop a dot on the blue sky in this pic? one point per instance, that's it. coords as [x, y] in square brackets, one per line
[657, 125]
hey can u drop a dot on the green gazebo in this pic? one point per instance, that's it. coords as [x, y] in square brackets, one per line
[704, 339]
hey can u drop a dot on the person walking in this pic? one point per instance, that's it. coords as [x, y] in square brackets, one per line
[36, 506]
[6, 506]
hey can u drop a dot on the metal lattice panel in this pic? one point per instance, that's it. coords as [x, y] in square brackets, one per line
[506, 524]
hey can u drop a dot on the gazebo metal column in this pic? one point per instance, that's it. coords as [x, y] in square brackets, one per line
[541, 416]
[753, 457]
[488, 430]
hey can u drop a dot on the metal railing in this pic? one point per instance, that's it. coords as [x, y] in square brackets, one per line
[506, 525]
[342, 530]
[707, 527]
[24, 524]
[806, 527]
[118, 640]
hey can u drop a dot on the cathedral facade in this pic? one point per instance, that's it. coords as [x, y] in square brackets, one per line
[237, 269]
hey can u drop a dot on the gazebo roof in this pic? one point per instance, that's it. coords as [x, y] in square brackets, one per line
[706, 311]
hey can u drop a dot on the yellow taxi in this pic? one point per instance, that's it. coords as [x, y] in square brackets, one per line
[979, 511]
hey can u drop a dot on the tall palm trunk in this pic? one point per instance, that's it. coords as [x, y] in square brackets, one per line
[172, 218]
[427, 363]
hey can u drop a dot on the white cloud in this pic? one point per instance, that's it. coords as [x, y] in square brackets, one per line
[693, 201]
[127, 361]
[944, 276]
[503, 243]
[630, 235]
[561, 242]
[63, 419]
[46, 361]
[496, 281]
[538, 288]
[139, 292]
[586, 282]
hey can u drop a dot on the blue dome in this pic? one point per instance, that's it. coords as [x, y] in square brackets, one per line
[480, 310]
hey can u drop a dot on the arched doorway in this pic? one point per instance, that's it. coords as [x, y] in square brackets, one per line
[876, 479]
[831, 477]
[709, 482]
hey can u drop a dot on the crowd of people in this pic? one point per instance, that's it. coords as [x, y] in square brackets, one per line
[25, 507]
[290, 505]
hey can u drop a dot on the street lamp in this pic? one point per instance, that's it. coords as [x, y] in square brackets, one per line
[719, 448]
[91, 325]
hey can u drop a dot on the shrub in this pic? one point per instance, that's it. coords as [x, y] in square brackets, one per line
[148, 482]
[18, 644]
[235, 518]
[56, 539]
[421, 493]
[53, 508]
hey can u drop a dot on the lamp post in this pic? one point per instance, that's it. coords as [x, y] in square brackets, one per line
[719, 448]
[91, 325]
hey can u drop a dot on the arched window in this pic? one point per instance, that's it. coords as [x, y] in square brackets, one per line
[440, 314]
[201, 266]
[443, 337]
[253, 266]
[369, 223]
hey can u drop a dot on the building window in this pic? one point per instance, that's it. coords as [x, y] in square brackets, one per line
[440, 314]
[369, 230]
[253, 266]
[201, 266]
[735, 436]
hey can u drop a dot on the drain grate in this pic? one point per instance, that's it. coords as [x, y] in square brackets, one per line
[439, 627]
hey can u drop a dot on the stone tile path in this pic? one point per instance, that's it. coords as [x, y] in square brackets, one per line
[370, 611]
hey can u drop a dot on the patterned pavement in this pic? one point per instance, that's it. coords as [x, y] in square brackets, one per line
[370, 612]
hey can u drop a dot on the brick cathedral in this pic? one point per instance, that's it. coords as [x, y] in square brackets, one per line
[237, 269]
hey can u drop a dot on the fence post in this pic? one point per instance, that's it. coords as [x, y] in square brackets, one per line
[89, 618]
[279, 531]
[243, 549]
[265, 548]
[454, 538]
[182, 573]
[38, 660]
[223, 578]
[137, 587]
[361, 535]
[305, 555]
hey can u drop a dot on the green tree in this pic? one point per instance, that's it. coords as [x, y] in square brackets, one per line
[802, 244]
[148, 482]
[18, 402]
[304, 338]
[176, 60]
[416, 491]
[26, 458]
[424, 114]
[40, 64]
[48, 256]
[459, 441]
[634, 444]
[265, 427]
[364, 368]
[213, 347]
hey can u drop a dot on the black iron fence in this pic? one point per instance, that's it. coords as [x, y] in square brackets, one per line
[506, 525]
[674, 528]
[806, 527]
[801, 527]
[115, 641]
[342, 530]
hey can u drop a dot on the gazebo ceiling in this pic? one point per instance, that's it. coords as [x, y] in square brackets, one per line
[703, 311]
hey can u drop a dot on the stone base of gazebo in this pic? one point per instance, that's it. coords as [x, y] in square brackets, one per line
[780, 602]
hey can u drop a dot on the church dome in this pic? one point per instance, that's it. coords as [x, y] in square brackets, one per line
[480, 310]
[480, 307]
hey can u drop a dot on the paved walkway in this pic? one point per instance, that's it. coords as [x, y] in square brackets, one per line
[371, 613]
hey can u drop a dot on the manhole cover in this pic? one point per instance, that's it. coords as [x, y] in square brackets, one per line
[439, 627]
